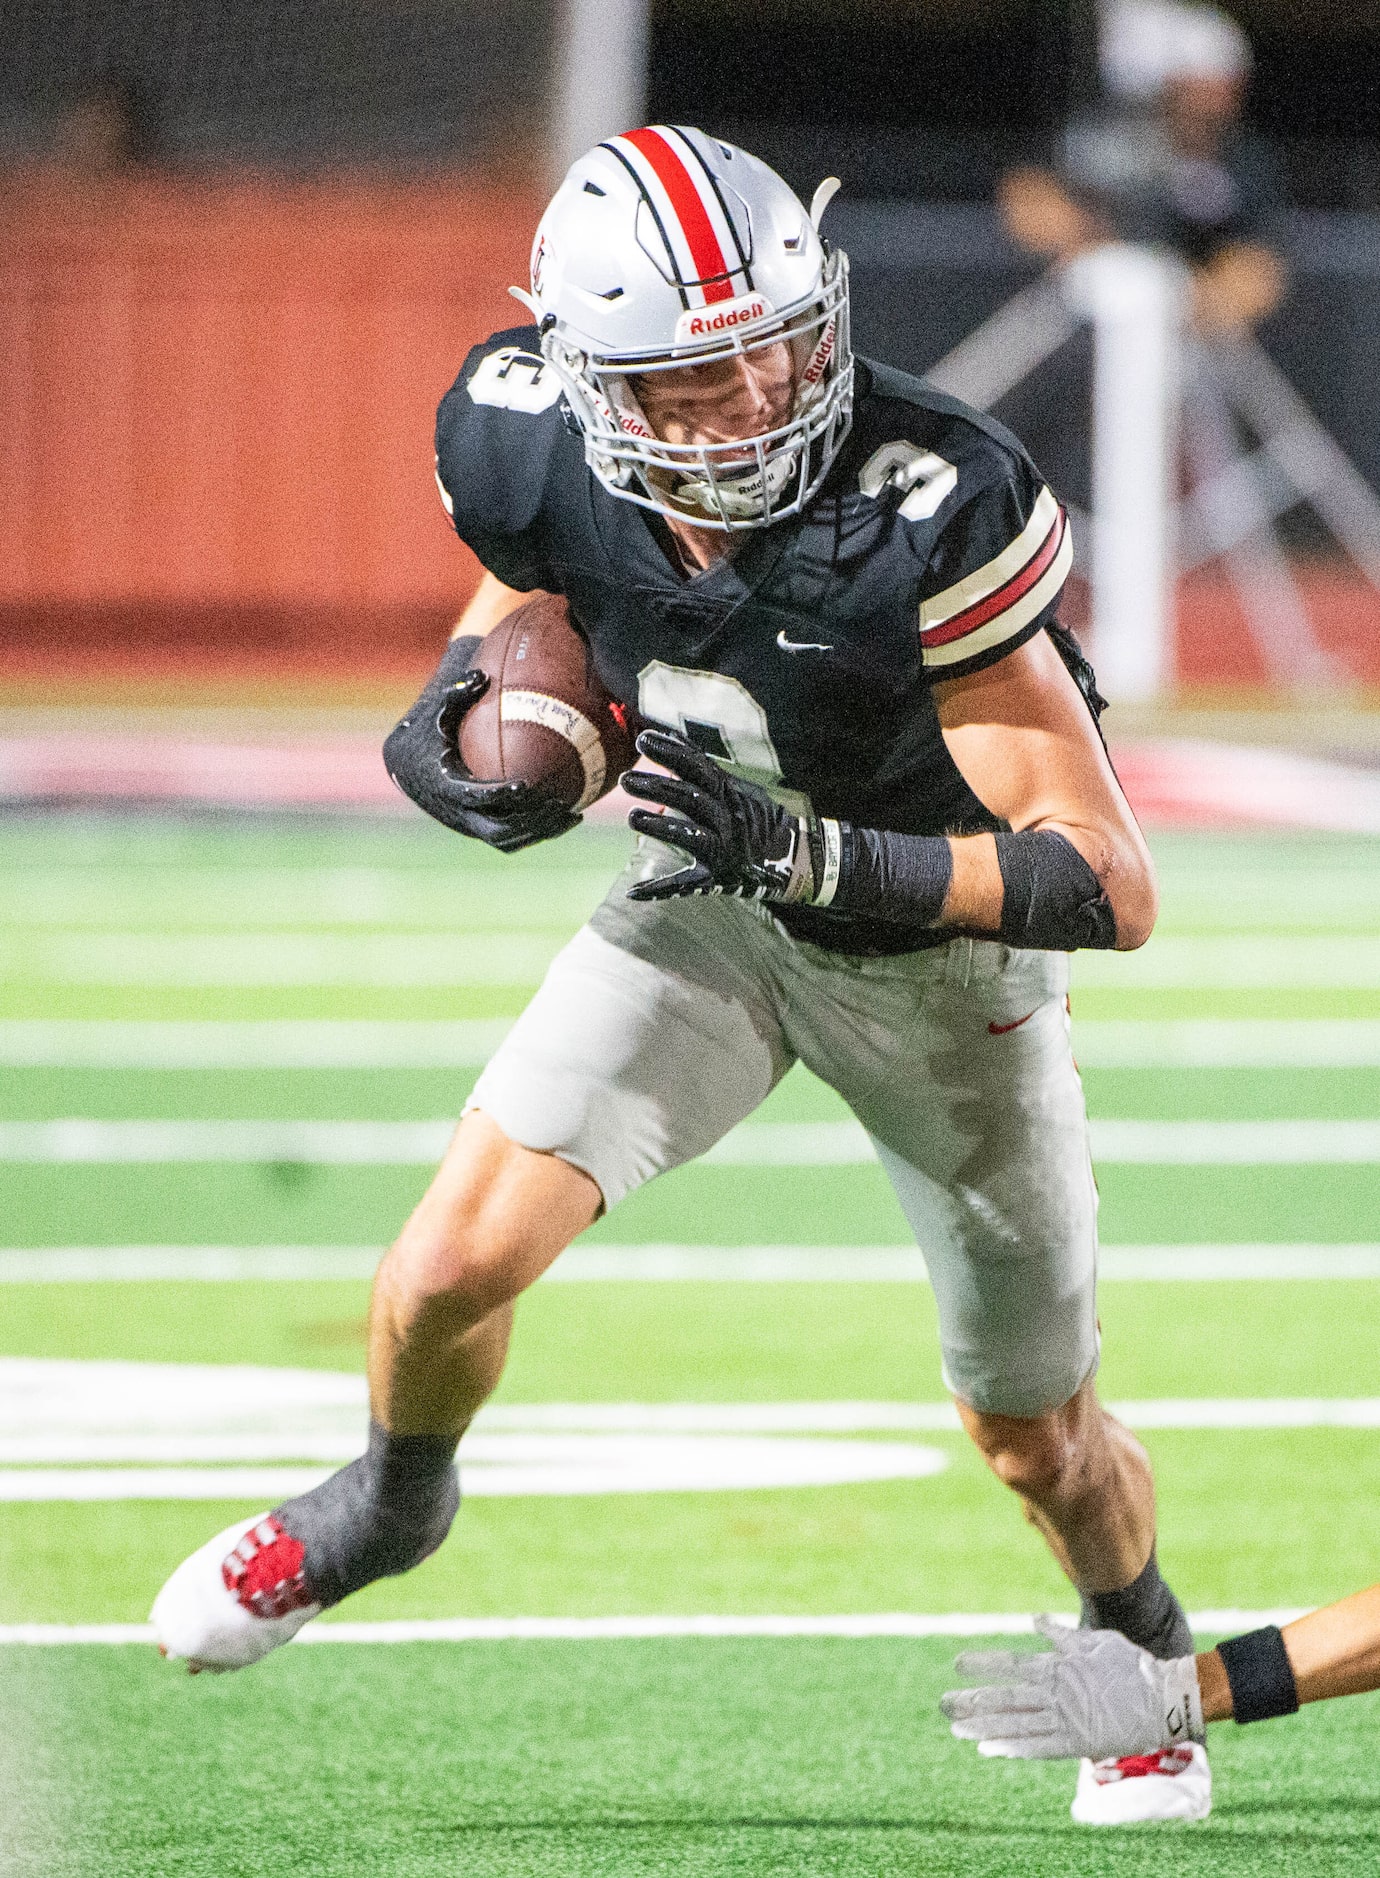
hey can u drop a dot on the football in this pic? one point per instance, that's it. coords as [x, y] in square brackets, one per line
[545, 719]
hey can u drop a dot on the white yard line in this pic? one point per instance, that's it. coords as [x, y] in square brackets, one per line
[1225, 1043]
[347, 1144]
[619, 1629]
[1242, 1144]
[157, 1458]
[496, 1463]
[197, 1264]
[1189, 1264]
[670, 1264]
[754, 1144]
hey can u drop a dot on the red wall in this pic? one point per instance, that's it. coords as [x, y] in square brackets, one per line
[226, 394]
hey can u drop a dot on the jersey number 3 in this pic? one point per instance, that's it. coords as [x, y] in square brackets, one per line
[514, 380]
[927, 478]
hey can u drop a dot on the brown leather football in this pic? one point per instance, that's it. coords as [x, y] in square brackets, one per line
[545, 718]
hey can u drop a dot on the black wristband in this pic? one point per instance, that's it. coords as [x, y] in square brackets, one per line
[904, 878]
[1259, 1675]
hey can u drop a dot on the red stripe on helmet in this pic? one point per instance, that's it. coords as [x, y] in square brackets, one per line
[711, 267]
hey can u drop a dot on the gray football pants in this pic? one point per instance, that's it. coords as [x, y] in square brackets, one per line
[660, 1026]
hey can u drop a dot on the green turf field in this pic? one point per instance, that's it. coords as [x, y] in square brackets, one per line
[127, 945]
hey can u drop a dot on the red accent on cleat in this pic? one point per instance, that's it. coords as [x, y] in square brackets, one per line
[265, 1571]
[1168, 1761]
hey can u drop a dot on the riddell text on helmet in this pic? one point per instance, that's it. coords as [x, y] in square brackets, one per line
[704, 324]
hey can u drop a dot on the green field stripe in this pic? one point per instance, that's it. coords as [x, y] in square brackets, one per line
[280, 1203]
[703, 1342]
[152, 846]
[104, 899]
[30, 1000]
[1285, 961]
[324, 1094]
[287, 1203]
[355, 1094]
[233, 1094]
[1317, 1095]
[517, 957]
[384, 959]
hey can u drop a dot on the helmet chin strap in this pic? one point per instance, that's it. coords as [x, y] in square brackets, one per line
[738, 495]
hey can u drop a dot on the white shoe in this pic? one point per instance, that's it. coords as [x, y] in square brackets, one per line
[238, 1597]
[1176, 1783]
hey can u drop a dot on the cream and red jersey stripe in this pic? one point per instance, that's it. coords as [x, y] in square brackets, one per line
[999, 599]
[707, 255]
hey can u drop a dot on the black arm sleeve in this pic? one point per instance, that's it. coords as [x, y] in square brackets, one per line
[1052, 900]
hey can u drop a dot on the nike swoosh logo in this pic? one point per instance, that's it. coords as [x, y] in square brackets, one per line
[1000, 1030]
[799, 645]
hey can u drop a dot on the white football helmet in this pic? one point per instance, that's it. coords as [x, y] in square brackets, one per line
[664, 248]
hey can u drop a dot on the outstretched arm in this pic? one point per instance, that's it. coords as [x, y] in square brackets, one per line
[1332, 1651]
[1096, 1694]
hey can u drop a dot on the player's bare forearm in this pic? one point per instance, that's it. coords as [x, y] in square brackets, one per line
[1027, 746]
[490, 603]
[1333, 1651]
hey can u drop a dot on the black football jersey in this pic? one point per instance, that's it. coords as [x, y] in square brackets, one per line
[805, 659]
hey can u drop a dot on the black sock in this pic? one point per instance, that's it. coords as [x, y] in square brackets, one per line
[382, 1514]
[1146, 1611]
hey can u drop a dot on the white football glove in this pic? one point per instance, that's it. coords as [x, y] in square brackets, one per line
[1094, 1695]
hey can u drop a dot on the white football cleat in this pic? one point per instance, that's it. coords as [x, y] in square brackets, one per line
[1139, 1789]
[238, 1597]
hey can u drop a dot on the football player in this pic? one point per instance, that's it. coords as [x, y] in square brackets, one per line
[1096, 1695]
[882, 819]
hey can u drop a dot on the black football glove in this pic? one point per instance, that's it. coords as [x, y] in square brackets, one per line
[740, 840]
[422, 753]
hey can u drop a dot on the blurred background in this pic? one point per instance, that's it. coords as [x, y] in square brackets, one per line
[245, 245]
